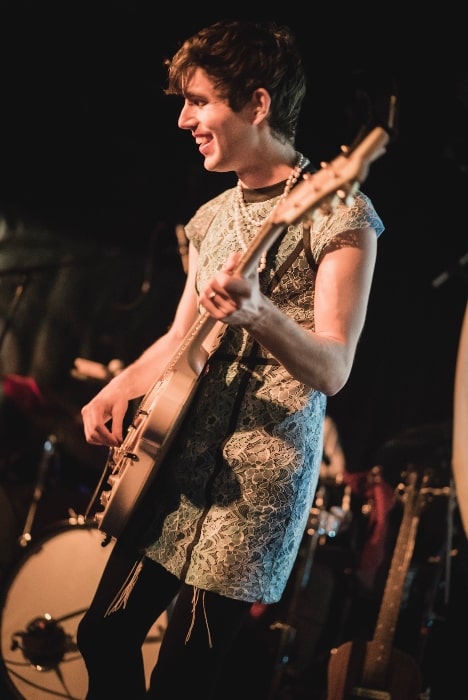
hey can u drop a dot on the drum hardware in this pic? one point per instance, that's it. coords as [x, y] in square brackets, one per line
[45, 597]
[48, 453]
[439, 564]
[321, 524]
[327, 523]
[44, 644]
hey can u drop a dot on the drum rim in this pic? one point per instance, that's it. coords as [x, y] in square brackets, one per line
[33, 548]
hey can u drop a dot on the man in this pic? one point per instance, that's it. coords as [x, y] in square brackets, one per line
[221, 524]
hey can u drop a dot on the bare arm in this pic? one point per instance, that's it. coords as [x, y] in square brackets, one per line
[323, 358]
[103, 416]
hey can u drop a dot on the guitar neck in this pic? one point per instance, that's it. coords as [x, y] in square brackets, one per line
[193, 353]
[318, 192]
[379, 650]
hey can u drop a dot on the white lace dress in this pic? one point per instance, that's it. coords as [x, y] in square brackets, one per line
[232, 498]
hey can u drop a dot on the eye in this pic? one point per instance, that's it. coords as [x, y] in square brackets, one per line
[194, 101]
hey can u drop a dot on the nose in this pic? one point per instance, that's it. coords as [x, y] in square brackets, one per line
[186, 118]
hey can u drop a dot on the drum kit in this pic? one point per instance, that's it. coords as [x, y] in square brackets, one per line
[44, 597]
[52, 581]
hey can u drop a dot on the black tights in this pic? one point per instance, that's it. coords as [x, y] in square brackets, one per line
[111, 645]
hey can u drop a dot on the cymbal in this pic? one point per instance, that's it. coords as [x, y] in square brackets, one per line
[427, 446]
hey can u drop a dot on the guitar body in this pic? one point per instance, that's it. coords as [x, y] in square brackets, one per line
[131, 468]
[346, 675]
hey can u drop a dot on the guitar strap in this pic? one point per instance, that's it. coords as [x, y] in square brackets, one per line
[304, 243]
[307, 225]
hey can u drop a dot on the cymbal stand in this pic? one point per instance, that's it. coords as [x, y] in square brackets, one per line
[48, 452]
[287, 628]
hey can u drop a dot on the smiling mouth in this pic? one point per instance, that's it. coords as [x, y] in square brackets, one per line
[202, 145]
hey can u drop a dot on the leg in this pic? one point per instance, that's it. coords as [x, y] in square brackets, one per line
[196, 643]
[111, 645]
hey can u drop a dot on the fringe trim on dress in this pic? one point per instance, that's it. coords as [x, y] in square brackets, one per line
[195, 599]
[121, 599]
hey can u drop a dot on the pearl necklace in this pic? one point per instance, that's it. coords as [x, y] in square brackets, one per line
[243, 219]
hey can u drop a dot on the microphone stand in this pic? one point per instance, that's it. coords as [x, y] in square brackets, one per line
[18, 295]
[455, 270]
[26, 272]
[48, 452]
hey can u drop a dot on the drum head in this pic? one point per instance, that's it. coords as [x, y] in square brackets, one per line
[43, 603]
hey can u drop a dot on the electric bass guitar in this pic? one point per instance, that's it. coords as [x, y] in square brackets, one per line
[131, 467]
[375, 669]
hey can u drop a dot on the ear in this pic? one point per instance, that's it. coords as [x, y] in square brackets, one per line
[260, 103]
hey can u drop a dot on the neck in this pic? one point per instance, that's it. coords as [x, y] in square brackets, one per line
[244, 220]
[263, 173]
[259, 194]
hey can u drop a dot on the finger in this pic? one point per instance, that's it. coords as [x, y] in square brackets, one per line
[231, 262]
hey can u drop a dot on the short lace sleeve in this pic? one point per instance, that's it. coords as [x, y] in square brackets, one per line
[360, 214]
[197, 226]
[325, 227]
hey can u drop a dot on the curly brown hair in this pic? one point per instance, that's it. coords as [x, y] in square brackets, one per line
[241, 56]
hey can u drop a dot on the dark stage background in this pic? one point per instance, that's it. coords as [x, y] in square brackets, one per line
[95, 177]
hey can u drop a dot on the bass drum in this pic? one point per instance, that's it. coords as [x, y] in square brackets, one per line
[46, 597]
